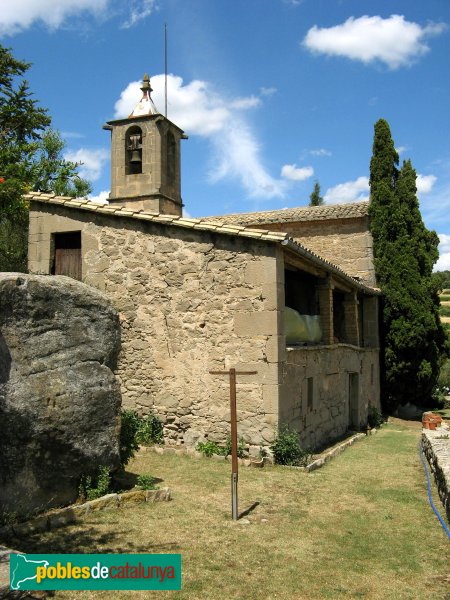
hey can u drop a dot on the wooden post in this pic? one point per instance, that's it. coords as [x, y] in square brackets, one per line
[233, 422]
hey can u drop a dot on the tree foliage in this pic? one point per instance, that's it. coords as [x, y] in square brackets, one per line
[315, 199]
[30, 159]
[442, 280]
[405, 251]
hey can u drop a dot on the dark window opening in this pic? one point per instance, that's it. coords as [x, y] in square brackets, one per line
[310, 404]
[133, 151]
[302, 321]
[171, 157]
[353, 401]
[67, 254]
[339, 316]
[300, 292]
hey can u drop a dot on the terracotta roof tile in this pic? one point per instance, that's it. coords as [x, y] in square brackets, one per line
[301, 213]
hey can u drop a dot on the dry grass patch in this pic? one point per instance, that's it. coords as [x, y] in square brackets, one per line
[360, 527]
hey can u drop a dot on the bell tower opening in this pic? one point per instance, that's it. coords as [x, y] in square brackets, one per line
[171, 157]
[133, 151]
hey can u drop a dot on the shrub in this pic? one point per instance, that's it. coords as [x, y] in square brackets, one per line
[150, 430]
[444, 378]
[262, 452]
[374, 417]
[209, 448]
[438, 397]
[136, 430]
[147, 482]
[90, 489]
[444, 311]
[130, 424]
[287, 450]
[240, 447]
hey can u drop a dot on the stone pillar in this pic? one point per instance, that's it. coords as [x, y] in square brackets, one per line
[325, 292]
[351, 324]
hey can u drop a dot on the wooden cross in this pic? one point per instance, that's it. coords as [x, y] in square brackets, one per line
[233, 422]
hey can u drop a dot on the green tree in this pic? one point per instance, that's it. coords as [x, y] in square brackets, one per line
[442, 280]
[413, 340]
[30, 159]
[315, 199]
[51, 172]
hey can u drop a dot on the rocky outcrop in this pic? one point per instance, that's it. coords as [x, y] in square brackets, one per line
[59, 399]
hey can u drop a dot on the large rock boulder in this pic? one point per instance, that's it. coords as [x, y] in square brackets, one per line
[59, 399]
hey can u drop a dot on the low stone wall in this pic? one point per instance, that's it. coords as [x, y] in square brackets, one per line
[436, 447]
[330, 454]
[70, 514]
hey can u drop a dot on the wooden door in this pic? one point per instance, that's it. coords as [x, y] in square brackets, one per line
[67, 258]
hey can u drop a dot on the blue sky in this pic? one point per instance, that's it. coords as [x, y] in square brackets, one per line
[273, 94]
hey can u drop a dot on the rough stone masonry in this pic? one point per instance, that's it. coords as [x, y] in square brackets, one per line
[59, 399]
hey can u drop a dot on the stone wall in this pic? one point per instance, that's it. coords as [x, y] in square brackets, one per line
[346, 243]
[436, 447]
[189, 302]
[315, 395]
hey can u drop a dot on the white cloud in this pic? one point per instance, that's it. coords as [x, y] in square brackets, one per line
[194, 107]
[401, 149]
[68, 135]
[140, 9]
[237, 156]
[424, 183]
[18, 15]
[21, 14]
[268, 91]
[350, 191]
[101, 198]
[91, 161]
[443, 264]
[320, 152]
[295, 173]
[244, 103]
[393, 41]
[198, 109]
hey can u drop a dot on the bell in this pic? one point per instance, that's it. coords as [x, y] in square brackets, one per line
[135, 156]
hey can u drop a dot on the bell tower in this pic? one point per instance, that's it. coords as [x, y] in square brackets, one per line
[145, 159]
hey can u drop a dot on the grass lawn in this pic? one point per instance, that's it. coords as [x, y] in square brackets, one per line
[361, 527]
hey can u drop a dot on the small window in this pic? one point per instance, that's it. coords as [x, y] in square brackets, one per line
[171, 157]
[310, 384]
[67, 254]
[133, 151]
[353, 400]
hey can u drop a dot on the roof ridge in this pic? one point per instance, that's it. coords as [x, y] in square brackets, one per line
[347, 210]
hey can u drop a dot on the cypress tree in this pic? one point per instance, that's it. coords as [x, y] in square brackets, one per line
[315, 199]
[413, 340]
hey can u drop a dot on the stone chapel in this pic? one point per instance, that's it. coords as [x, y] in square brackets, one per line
[290, 294]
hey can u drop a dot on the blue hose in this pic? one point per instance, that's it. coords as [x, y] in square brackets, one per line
[444, 526]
